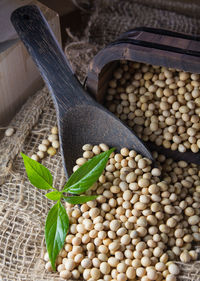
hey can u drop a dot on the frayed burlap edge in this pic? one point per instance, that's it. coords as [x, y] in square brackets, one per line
[23, 123]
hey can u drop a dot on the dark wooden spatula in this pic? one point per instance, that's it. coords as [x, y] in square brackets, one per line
[81, 119]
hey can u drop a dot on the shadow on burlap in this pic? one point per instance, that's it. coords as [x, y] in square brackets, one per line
[23, 208]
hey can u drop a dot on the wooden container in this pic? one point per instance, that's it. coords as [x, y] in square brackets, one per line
[19, 77]
[151, 46]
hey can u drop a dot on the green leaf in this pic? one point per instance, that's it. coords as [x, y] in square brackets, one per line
[38, 175]
[79, 199]
[57, 225]
[54, 195]
[83, 178]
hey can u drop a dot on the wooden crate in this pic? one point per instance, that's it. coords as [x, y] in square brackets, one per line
[19, 77]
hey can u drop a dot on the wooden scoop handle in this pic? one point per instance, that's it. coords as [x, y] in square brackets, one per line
[44, 49]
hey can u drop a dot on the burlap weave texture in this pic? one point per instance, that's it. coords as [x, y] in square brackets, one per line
[23, 208]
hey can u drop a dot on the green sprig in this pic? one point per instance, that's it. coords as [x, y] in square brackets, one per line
[57, 221]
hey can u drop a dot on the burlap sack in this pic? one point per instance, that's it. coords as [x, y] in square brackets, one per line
[23, 208]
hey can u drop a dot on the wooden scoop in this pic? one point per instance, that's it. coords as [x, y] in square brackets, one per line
[81, 119]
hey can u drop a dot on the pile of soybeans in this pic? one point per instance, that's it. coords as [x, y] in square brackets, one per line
[161, 105]
[144, 220]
